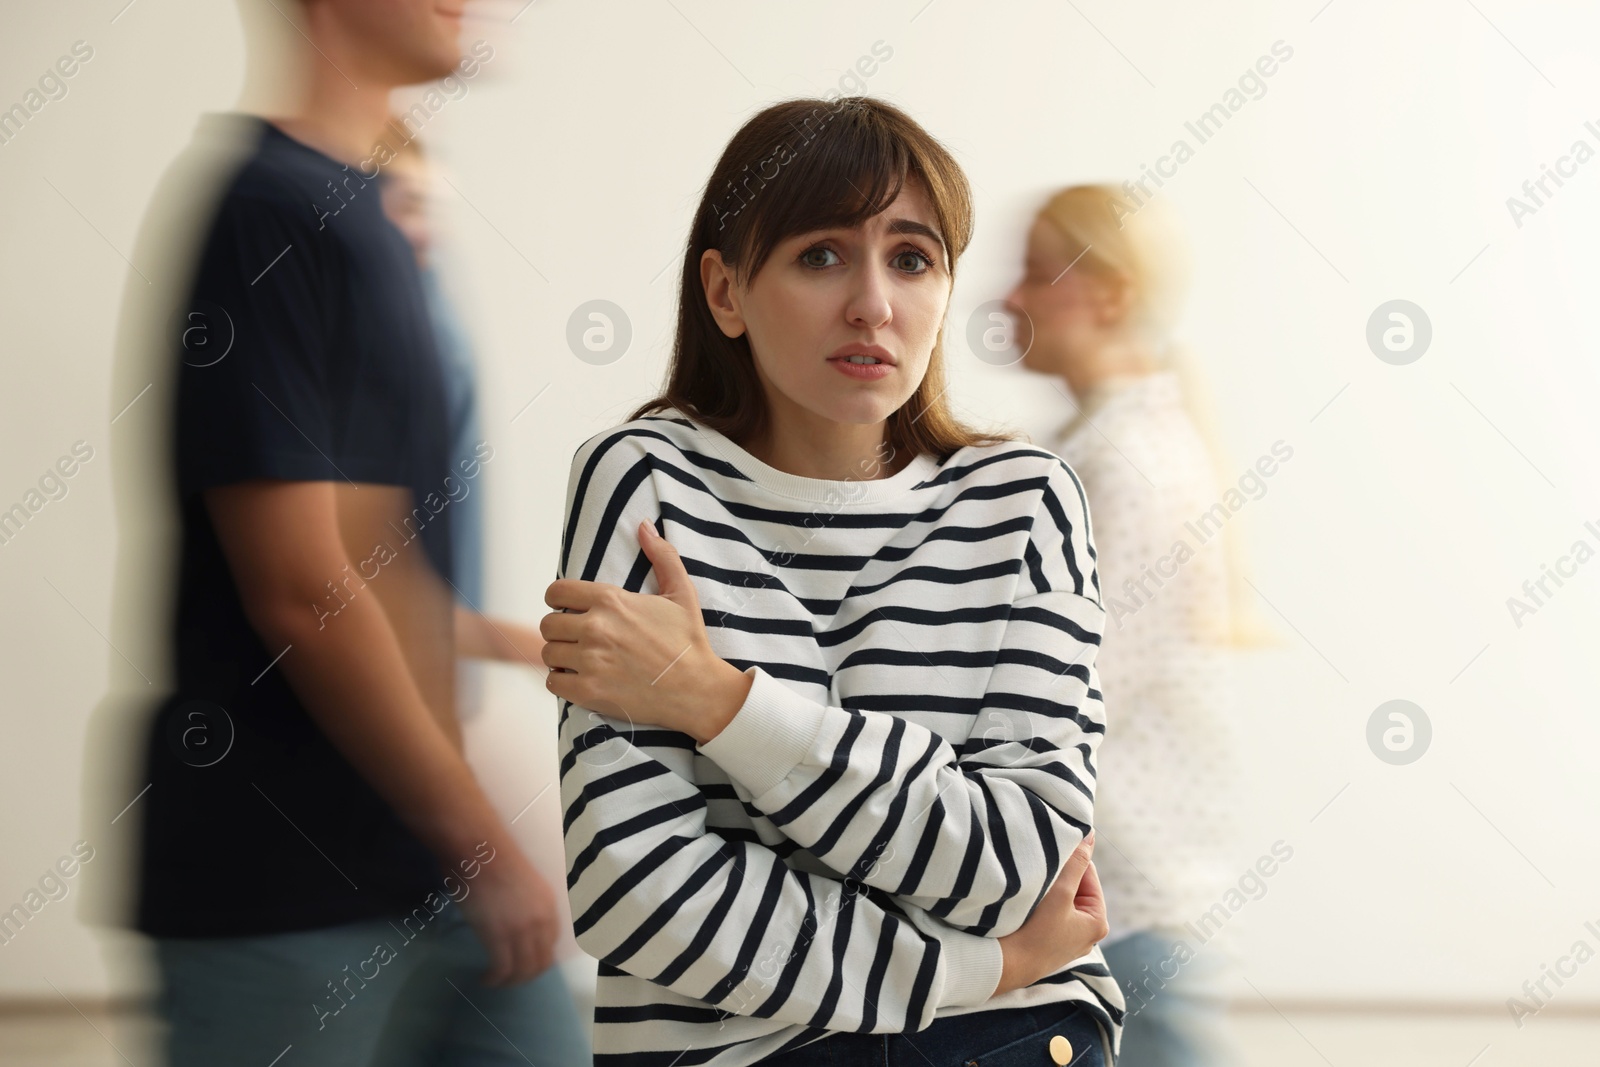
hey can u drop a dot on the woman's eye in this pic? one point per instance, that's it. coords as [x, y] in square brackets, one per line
[907, 260]
[917, 257]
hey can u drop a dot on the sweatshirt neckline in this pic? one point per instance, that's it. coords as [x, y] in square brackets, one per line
[840, 492]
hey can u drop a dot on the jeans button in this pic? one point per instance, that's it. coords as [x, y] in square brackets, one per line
[1060, 1050]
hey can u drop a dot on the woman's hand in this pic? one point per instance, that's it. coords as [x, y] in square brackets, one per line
[640, 657]
[1067, 924]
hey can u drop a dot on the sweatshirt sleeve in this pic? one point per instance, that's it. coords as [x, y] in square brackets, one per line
[976, 837]
[658, 894]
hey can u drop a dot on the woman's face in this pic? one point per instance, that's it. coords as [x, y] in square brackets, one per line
[884, 284]
[1062, 315]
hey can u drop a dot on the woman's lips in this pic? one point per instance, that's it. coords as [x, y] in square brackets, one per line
[865, 372]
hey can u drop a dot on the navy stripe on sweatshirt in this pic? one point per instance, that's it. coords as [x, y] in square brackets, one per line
[911, 768]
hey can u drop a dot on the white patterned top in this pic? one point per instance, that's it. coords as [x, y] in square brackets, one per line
[1164, 811]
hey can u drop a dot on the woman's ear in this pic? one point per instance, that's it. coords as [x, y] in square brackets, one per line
[722, 294]
[1114, 298]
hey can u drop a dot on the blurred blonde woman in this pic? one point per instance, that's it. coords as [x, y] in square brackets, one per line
[1101, 291]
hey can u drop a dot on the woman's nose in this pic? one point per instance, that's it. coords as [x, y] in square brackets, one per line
[1012, 301]
[869, 304]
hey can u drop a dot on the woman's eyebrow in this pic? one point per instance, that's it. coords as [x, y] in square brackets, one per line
[913, 226]
[896, 226]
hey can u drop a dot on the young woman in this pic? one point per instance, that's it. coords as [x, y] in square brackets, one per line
[1140, 441]
[826, 656]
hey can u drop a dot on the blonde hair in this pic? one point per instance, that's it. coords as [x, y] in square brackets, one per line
[1108, 237]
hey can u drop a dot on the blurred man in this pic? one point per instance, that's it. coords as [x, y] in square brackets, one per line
[545, 1005]
[321, 871]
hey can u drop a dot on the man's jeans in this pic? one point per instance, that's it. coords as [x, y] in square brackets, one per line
[372, 992]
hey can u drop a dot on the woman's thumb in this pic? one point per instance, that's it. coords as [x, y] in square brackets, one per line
[672, 578]
[1077, 863]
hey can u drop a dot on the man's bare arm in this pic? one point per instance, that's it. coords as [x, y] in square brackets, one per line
[283, 544]
[487, 637]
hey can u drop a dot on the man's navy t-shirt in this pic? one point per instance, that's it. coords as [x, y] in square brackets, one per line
[306, 355]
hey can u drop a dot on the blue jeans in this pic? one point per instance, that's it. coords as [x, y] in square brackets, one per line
[1003, 1037]
[1176, 1010]
[372, 992]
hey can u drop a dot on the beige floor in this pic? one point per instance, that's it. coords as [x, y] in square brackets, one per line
[1304, 1039]
[1318, 1039]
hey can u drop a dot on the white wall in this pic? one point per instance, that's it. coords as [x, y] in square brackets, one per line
[1376, 166]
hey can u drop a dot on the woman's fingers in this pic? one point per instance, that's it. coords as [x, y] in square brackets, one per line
[561, 625]
[577, 594]
[1072, 871]
[1091, 900]
[562, 654]
[1089, 893]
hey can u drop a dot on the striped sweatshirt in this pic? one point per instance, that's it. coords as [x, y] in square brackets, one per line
[912, 766]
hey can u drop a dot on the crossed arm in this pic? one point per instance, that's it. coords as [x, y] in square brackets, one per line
[966, 846]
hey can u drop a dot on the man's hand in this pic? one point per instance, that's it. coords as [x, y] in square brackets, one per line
[512, 909]
[1067, 924]
[486, 637]
[374, 670]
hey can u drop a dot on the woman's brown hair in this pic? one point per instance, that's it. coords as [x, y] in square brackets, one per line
[796, 167]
